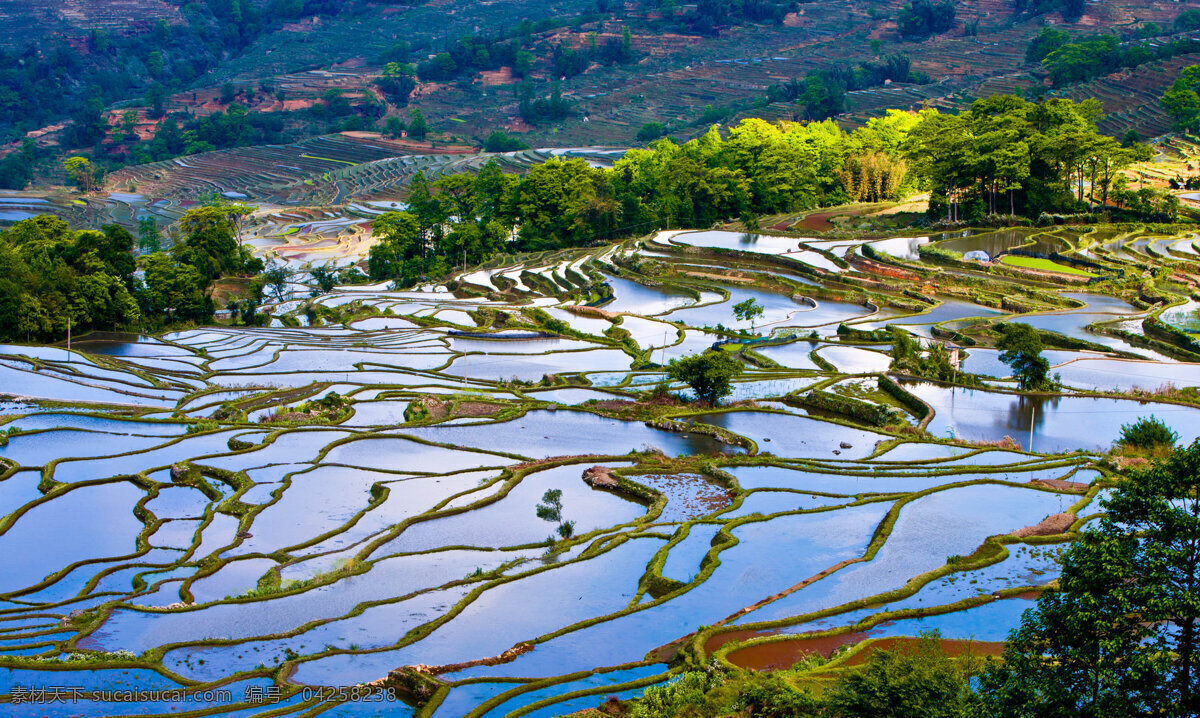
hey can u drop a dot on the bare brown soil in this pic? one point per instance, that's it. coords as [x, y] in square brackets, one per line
[1049, 526]
[600, 477]
[1061, 484]
[719, 277]
[509, 655]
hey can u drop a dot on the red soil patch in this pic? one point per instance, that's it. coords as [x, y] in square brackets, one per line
[509, 655]
[585, 311]
[784, 654]
[1049, 526]
[517, 125]
[871, 267]
[817, 222]
[503, 76]
[289, 105]
[600, 477]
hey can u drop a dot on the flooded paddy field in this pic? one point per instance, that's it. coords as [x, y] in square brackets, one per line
[357, 497]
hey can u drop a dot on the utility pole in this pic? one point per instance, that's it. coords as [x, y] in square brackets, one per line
[68, 337]
[1032, 421]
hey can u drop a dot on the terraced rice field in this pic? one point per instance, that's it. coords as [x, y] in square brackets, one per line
[182, 514]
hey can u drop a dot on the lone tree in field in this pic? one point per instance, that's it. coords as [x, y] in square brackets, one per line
[748, 311]
[1021, 348]
[550, 509]
[708, 374]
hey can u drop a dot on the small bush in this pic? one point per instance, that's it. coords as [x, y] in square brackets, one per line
[1146, 433]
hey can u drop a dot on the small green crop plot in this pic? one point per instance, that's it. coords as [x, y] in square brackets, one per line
[1044, 265]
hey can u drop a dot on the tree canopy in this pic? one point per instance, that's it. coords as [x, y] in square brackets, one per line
[1006, 155]
[52, 277]
[709, 374]
[1021, 349]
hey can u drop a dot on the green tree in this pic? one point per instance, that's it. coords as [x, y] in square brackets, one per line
[1182, 103]
[1154, 519]
[523, 64]
[1079, 651]
[1046, 42]
[651, 131]
[1188, 20]
[1083, 59]
[275, 279]
[417, 127]
[174, 290]
[210, 240]
[918, 681]
[500, 141]
[709, 374]
[395, 127]
[1147, 433]
[550, 509]
[1021, 350]
[81, 171]
[1119, 635]
[748, 311]
[399, 242]
[325, 278]
[148, 237]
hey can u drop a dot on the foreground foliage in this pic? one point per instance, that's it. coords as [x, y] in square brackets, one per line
[1119, 636]
[919, 681]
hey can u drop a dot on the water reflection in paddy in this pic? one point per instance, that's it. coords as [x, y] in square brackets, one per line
[901, 247]
[557, 433]
[499, 618]
[630, 296]
[748, 571]
[795, 436]
[1059, 423]
[994, 243]
[946, 523]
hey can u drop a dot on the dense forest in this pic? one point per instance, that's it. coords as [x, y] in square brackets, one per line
[1005, 156]
[1010, 156]
[53, 278]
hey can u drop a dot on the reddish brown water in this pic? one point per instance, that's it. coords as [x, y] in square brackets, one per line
[785, 654]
